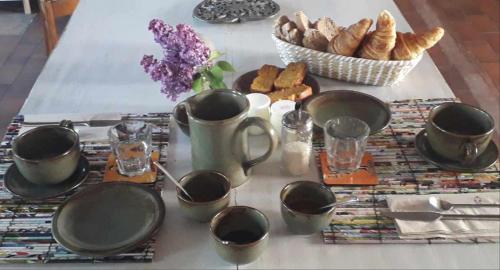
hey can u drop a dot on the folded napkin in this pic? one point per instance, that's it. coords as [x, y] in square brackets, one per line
[87, 134]
[451, 229]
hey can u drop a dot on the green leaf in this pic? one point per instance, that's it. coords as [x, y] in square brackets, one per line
[217, 72]
[214, 55]
[218, 84]
[226, 66]
[198, 85]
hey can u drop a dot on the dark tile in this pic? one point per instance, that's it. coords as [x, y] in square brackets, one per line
[7, 45]
[454, 78]
[438, 56]
[9, 71]
[493, 71]
[494, 40]
[481, 50]
[483, 23]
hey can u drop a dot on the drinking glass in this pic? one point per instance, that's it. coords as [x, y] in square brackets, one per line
[131, 145]
[345, 142]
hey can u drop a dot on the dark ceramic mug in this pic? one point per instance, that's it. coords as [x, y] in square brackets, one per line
[458, 131]
[48, 154]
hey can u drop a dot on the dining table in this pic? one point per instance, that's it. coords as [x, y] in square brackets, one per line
[95, 69]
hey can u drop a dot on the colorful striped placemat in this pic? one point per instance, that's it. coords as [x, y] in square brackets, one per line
[25, 226]
[401, 171]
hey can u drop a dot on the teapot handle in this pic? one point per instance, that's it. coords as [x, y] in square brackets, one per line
[268, 131]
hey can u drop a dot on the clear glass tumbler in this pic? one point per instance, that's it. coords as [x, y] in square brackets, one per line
[345, 143]
[131, 145]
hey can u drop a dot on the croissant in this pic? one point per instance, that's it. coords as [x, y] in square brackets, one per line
[383, 39]
[348, 39]
[410, 45]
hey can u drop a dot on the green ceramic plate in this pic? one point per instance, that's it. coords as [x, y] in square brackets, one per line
[108, 219]
[330, 104]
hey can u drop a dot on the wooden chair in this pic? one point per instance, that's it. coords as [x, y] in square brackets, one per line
[51, 10]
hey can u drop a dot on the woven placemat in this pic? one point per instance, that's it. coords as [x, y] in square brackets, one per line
[401, 171]
[25, 226]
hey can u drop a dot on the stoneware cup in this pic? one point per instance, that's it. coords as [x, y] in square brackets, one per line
[458, 131]
[210, 191]
[47, 155]
[240, 234]
[301, 204]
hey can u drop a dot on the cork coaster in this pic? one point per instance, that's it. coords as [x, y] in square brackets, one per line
[365, 175]
[111, 173]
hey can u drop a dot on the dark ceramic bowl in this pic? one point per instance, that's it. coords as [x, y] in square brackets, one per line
[330, 104]
[242, 83]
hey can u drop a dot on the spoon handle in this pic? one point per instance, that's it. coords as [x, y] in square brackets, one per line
[476, 205]
[481, 217]
[169, 176]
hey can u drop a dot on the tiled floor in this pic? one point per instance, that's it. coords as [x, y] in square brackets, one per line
[468, 55]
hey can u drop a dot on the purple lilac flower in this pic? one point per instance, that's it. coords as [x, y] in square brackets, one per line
[183, 54]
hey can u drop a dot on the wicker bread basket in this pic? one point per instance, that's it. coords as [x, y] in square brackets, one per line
[351, 69]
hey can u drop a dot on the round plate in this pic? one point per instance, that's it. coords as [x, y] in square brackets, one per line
[108, 219]
[331, 104]
[483, 161]
[18, 185]
[243, 82]
[235, 11]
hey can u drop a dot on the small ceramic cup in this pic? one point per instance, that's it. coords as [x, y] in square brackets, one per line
[240, 234]
[259, 107]
[458, 131]
[210, 191]
[47, 155]
[301, 203]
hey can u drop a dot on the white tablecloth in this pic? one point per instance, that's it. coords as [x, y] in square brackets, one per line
[95, 68]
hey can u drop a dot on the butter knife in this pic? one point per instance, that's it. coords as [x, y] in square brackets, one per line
[89, 123]
[431, 216]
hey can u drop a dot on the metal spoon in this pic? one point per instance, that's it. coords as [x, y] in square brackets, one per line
[171, 178]
[442, 205]
[335, 204]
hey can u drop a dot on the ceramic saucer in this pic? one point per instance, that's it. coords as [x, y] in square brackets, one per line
[485, 160]
[18, 185]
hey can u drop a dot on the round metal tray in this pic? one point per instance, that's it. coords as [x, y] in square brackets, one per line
[235, 11]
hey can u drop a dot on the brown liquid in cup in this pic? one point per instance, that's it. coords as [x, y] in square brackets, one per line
[460, 122]
[241, 237]
[52, 144]
[204, 190]
[307, 206]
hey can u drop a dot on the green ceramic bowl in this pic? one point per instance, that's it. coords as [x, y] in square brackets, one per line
[210, 190]
[301, 203]
[330, 104]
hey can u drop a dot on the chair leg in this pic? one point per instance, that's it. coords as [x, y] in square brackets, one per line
[27, 6]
